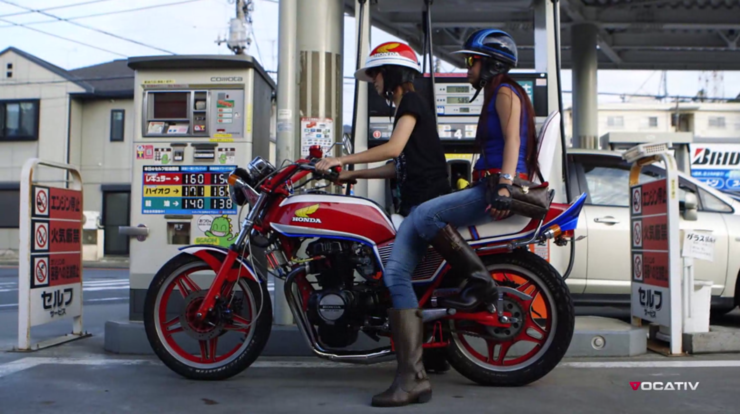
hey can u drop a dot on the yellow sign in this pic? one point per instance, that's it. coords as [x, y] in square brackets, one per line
[459, 157]
[249, 118]
[222, 135]
[206, 240]
[162, 191]
[159, 82]
[221, 139]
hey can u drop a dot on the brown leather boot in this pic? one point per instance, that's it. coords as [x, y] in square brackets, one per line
[411, 384]
[462, 258]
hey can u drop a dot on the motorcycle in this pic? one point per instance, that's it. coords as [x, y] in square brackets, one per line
[208, 313]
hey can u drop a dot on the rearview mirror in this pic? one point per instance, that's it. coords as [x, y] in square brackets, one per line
[690, 207]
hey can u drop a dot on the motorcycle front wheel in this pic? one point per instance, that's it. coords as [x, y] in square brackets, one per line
[226, 343]
[530, 347]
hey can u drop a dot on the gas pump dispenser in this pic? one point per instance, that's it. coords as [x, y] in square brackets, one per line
[198, 117]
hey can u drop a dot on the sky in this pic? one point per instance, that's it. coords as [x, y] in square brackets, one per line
[192, 27]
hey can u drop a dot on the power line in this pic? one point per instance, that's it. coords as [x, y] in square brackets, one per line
[87, 16]
[257, 44]
[54, 8]
[90, 28]
[63, 38]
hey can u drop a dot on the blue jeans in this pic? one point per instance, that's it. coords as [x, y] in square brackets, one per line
[463, 208]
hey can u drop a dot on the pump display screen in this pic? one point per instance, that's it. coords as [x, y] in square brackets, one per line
[171, 105]
[458, 89]
[458, 100]
[186, 189]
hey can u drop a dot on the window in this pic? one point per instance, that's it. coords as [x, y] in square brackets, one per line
[10, 206]
[653, 122]
[19, 120]
[117, 119]
[9, 72]
[717, 122]
[608, 180]
[712, 203]
[615, 121]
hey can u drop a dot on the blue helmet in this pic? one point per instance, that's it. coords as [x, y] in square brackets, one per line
[493, 43]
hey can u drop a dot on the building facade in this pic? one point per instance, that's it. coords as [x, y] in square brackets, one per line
[708, 122]
[82, 117]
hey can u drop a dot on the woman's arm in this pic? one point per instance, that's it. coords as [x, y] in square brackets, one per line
[509, 109]
[386, 171]
[391, 149]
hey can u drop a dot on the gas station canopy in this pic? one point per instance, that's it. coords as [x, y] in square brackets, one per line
[633, 34]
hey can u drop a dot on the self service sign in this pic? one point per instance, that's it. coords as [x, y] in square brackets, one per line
[717, 165]
[56, 254]
[651, 298]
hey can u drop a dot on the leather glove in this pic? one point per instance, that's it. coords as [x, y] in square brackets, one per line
[497, 201]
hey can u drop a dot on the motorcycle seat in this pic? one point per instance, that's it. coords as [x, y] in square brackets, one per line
[510, 225]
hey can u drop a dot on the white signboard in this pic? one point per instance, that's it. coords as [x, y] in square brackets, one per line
[699, 246]
[50, 284]
[316, 131]
[654, 243]
[717, 165]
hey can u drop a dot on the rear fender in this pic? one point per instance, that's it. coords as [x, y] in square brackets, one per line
[568, 219]
[214, 256]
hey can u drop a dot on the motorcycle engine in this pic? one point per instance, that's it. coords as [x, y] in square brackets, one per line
[340, 308]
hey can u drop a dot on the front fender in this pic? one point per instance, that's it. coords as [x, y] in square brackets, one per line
[214, 256]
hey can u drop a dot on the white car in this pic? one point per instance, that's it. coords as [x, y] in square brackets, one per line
[602, 267]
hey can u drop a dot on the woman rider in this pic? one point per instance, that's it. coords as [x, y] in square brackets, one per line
[507, 142]
[421, 171]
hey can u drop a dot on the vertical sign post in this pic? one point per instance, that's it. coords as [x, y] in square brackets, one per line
[656, 262]
[50, 266]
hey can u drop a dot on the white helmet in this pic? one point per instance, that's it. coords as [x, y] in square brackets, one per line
[389, 53]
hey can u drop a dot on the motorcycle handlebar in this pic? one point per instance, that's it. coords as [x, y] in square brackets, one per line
[332, 175]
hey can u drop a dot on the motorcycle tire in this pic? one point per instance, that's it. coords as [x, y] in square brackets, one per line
[535, 268]
[174, 358]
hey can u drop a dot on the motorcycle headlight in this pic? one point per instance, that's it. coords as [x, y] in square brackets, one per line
[237, 195]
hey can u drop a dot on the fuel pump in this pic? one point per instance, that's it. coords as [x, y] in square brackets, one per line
[198, 118]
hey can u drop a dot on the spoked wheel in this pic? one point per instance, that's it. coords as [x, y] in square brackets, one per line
[536, 340]
[226, 342]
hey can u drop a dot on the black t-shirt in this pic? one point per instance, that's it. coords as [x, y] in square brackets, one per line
[421, 168]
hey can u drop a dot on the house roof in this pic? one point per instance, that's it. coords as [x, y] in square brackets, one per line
[106, 80]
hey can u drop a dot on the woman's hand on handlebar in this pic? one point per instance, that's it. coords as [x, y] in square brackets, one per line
[346, 177]
[326, 164]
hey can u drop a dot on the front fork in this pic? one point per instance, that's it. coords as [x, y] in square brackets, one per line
[225, 276]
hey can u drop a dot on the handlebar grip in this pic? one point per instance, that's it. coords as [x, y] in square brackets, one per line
[334, 173]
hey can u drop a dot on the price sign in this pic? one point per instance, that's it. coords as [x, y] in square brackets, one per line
[186, 189]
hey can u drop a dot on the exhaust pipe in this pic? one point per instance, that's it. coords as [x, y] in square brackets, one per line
[293, 298]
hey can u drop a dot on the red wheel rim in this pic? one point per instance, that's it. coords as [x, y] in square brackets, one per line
[540, 305]
[169, 327]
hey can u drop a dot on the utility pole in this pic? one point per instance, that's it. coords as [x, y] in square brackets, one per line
[239, 40]
[287, 116]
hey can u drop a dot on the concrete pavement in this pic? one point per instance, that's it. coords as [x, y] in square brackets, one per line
[78, 378]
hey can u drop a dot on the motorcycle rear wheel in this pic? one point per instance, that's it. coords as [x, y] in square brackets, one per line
[533, 347]
[191, 347]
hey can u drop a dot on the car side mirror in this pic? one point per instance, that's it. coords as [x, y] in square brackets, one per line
[690, 207]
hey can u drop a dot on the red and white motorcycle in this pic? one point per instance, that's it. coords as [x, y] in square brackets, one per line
[208, 312]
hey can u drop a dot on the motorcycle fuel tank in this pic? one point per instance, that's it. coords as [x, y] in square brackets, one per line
[337, 216]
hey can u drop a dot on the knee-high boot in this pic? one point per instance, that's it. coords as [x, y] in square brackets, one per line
[410, 384]
[458, 253]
